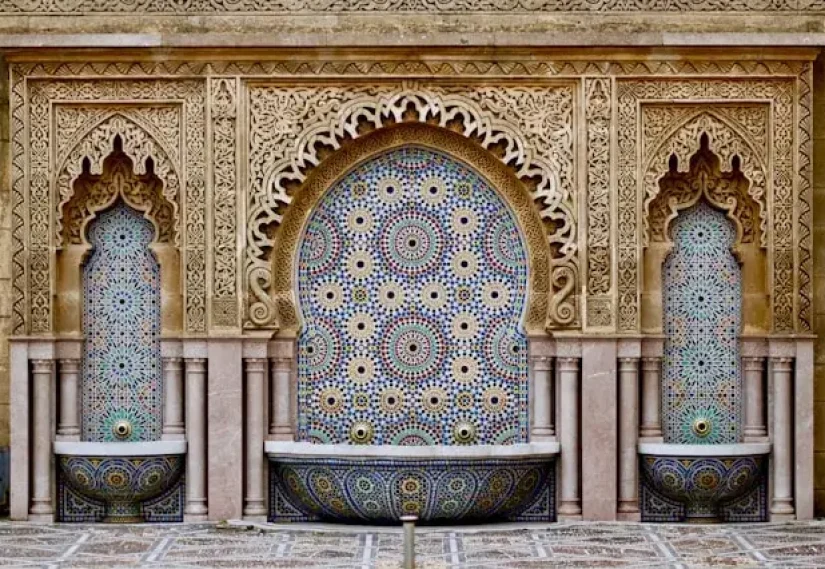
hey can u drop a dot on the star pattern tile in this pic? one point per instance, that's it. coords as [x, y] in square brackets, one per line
[319, 546]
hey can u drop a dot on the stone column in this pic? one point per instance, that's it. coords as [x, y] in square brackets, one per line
[651, 398]
[280, 426]
[754, 398]
[542, 423]
[781, 370]
[68, 426]
[173, 428]
[196, 439]
[255, 369]
[570, 495]
[628, 436]
[41, 507]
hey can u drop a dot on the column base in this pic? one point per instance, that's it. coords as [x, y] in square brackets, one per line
[75, 438]
[261, 518]
[543, 435]
[190, 518]
[253, 509]
[173, 436]
[567, 509]
[783, 507]
[281, 435]
[41, 518]
[195, 508]
[629, 516]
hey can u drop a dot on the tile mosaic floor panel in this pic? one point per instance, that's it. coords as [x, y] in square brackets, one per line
[321, 546]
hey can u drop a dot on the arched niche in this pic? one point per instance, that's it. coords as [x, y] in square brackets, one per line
[95, 193]
[725, 190]
[287, 236]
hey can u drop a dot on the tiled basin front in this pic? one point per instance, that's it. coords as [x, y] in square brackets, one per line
[380, 484]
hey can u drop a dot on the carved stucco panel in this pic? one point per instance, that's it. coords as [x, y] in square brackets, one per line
[141, 137]
[42, 186]
[224, 112]
[733, 131]
[144, 87]
[528, 126]
[598, 116]
[632, 97]
[383, 6]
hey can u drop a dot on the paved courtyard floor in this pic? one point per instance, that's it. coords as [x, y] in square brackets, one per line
[200, 546]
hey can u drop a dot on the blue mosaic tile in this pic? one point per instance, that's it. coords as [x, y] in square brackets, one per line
[696, 489]
[412, 278]
[121, 323]
[701, 388]
[439, 490]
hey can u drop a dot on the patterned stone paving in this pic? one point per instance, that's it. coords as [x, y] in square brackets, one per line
[489, 547]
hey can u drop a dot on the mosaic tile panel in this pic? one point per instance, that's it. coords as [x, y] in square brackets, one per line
[701, 489]
[438, 490]
[121, 322]
[412, 278]
[74, 507]
[701, 390]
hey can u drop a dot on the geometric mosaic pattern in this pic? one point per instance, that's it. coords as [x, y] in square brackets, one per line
[437, 491]
[121, 323]
[704, 489]
[257, 546]
[701, 390]
[412, 280]
[74, 507]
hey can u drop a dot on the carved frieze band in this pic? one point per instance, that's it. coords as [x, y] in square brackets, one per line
[598, 113]
[529, 126]
[62, 113]
[431, 6]
[224, 109]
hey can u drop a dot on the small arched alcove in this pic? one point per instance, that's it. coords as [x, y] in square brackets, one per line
[725, 188]
[93, 194]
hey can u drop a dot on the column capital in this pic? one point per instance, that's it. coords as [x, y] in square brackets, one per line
[541, 363]
[69, 364]
[568, 363]
[651, 363]
[753, 363]
[42, 366]
[255, 364]
[782, 363]
[629, 363]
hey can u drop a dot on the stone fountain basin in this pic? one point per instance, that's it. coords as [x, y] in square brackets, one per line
[121, 475]
[704, 477]
[379, 484]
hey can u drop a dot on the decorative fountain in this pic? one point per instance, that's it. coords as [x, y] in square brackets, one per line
[121, 471]
[412, 280]
[703, 471]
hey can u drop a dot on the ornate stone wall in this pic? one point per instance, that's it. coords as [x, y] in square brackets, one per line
[238, 141]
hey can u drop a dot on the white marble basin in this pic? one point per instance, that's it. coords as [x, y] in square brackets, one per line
[739, 449]
[150, 448]
[289, 449]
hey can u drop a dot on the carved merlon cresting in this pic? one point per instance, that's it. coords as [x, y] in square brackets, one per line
[232, 142]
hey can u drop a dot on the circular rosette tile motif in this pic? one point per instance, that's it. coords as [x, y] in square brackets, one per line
[502, 244]
[702, 304]
[412, 243]
[435, 490]
[407, 264]
[321, 246]
[121, 320]
[703, 484]
[320, 350]
[412, 348]
[505, 350]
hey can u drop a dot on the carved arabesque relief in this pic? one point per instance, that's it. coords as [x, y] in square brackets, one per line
[93, 193]
[432, 6]
[39, 91]
[732, 133]
[116, 134]
[726, 190]
[62, 111]
[529, 127]
[637, 97]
